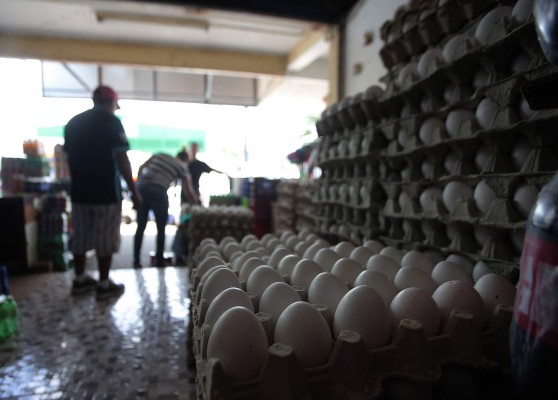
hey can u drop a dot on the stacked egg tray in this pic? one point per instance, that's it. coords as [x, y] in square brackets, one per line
[295, 208]
[217, 222]
[460, 359]
[432, 128]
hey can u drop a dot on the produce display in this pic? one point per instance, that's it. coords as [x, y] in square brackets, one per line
[291, 316]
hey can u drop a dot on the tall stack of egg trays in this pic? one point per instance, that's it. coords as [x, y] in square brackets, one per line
[291, 316]
[217, 222]
[459, 154]
[294, 208]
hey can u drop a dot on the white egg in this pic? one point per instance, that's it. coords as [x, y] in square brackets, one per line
[456, 120]
[379, 282]
[302, 327]
[464, 262]
[429, 195]
[286, 234]
[446, 271]
[487, 23]
[239, 261]
[209, 272]
[375, 245]
[301, 248]
[249, 266]
[522, 10]
[230, 249]
[313, 250]
[481, 157]
[228, 298]
[267, 238]
[344, 248]
[246, 240]
[261, 278]
[455, 191]
[291, 242]
[276, 298]
[485, 113]
[217, 282]
[428, 128]
[254, 245]
[226, 240]
[392, 252]
[363, 310]
[416, 304]
[304, 273]
[429, 60]
[524, 199]
[327, 289]
[384, 265]
[482, 234]
[520, 62]
[239, 341]
[326, 258]
[458, 295]
[303, 233]
[273, 243]
[361, 255]
[287, 264]
[417, 259]
[408, 277]
[484, 196]
[347, 270]
[207, 264]
[277, 255]
[262, 252]
[494, 290]
[456, 42]
[479, 270]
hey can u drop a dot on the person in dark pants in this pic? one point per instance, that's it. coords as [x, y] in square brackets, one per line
[96, 146]
[154, 179]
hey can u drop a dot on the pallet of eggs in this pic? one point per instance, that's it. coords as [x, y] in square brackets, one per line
[283, 209]
[464, 154]
[295, 207]
[348, 192]
[293, 317]
[218, 222]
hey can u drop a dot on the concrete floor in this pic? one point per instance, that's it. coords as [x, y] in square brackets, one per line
[78, 347]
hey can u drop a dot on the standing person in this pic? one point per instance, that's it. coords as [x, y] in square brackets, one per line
[96, 146]
[197, 168]
[154, 179]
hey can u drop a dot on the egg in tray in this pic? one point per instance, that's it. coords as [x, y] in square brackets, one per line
[343, 320]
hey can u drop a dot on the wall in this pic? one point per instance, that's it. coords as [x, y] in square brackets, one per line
[367, 15]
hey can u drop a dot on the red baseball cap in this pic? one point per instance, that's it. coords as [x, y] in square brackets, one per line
[105, 94]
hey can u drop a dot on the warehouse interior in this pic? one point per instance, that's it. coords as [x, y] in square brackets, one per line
[377, 225]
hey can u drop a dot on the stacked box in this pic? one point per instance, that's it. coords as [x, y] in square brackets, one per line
[53, 232]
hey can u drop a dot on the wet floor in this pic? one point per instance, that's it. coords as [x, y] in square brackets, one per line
[131, 347]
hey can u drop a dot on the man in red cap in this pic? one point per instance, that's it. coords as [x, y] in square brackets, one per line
[96, 146]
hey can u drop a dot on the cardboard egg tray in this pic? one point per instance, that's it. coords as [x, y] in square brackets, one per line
[295, 206]
[410, 367]
[428, 26]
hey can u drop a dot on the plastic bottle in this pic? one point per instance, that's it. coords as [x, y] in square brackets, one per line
[4, 329]
[534, 329]
[13, 317]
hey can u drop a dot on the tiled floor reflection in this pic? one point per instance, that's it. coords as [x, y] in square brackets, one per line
[80, 348]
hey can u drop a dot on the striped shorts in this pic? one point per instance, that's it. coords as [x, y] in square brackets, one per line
[96, 226]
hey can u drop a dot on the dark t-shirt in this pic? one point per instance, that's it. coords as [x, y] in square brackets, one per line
[197, 168]
[92, 140]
